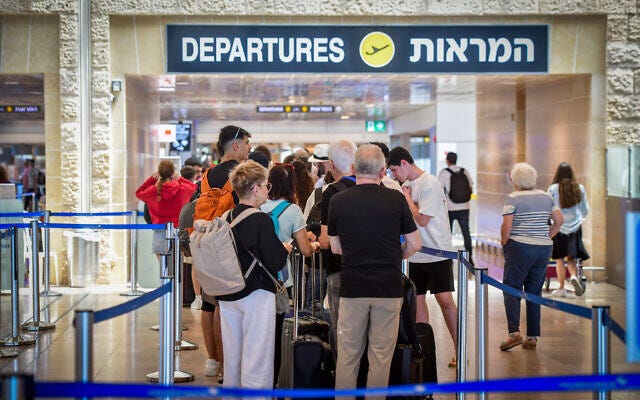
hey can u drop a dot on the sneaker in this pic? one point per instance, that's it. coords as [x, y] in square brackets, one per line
[530, 344]
[211, 368]
[515, 339]
[221, 376]
[197, 303]
[559, 293]
[577, 286]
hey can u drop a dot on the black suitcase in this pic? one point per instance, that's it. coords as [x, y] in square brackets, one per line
[313, 363]
[428, 343]
[188, 294]
[306, 357]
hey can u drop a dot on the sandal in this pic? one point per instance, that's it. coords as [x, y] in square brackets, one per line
[515, 339]
[530, 344]
[453, 363]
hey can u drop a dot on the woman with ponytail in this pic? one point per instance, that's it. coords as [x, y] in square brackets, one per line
[571, 198]
[165, 192]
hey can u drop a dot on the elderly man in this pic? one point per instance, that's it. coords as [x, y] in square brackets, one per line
[365, 224]
[340, 155]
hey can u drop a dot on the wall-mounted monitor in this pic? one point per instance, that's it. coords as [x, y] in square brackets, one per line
[183, 137]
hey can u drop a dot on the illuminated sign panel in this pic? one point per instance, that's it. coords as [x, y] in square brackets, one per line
[20, 109]
[447, 49]
[295, 109]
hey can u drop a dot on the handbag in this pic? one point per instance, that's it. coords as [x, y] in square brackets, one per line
[282, 301]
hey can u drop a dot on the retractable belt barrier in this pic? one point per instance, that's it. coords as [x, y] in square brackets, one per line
[572, 383]
[131, 305]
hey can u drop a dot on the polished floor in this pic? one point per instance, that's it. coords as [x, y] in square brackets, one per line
[126, 349]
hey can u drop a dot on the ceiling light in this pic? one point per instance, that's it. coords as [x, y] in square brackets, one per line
[344, 117]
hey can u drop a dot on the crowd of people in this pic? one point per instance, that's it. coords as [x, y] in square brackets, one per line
[364, 222]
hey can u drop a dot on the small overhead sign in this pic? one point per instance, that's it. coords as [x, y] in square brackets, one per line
[20, 109]
[376, 126]
[295, 109]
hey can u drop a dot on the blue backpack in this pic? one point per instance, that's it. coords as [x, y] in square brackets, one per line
[277, 212]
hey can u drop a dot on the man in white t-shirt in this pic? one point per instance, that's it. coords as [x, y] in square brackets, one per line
[457, 211]
[428, 205]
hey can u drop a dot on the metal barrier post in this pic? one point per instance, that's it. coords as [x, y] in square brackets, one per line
[35, 324]
[482, 327]
[461, 353]
[133, 237]
[17, 386]
[83, 324]
[177, 292]
[167, 374]
[15, 339]
[168, 244]
[46, 243]
[601, 347]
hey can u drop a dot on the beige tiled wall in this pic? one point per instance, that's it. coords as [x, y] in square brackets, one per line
[560, 124]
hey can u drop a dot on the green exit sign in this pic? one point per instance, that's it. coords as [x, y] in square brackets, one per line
[376, 126]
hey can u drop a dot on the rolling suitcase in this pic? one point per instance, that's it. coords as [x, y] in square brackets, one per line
[307, 360]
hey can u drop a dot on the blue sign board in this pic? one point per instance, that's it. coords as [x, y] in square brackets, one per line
[632, 282]
[450, 49]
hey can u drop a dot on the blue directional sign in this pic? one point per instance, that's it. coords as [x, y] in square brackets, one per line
[447, 49]
[632, 269]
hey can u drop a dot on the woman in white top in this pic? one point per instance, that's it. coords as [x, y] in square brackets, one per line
[570, 197]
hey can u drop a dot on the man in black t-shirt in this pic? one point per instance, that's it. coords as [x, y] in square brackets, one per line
[341, 155]
[365, 224]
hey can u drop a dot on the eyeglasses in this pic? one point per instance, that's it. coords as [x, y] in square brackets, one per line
[236, 135]
[268, 185]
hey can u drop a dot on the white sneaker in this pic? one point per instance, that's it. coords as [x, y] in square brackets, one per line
[211, 368]
[197, 303]
[559, 293]
[577, 286]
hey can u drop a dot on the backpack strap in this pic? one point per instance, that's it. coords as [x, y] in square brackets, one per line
[317, 195]
[234, 221]
[205, 187]
[450, 170]
[280, 208]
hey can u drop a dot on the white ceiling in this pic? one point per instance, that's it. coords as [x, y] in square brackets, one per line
[360, 97]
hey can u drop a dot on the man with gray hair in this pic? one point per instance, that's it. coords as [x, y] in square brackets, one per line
[371, 287]
[341, 154]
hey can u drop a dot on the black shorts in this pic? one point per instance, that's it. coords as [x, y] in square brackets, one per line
[434, 277]
[209, 303]
[569, 246]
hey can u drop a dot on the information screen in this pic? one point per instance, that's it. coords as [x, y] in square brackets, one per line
[183, 137]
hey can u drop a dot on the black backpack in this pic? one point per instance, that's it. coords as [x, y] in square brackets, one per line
[313, 220]
[459, 186]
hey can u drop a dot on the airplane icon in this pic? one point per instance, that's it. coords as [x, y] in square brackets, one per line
[375, 50]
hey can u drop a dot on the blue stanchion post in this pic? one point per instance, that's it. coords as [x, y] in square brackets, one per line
[34, 281]
[601, 347]
[46, 244]
[133, 273]
[16, 386]
[461, 350]
[83, 324]
[482, 327]
[15, 339]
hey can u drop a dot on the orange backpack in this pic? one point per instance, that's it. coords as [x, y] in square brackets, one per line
[213, 202]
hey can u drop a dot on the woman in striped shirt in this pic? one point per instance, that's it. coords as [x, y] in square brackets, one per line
[526, 243]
